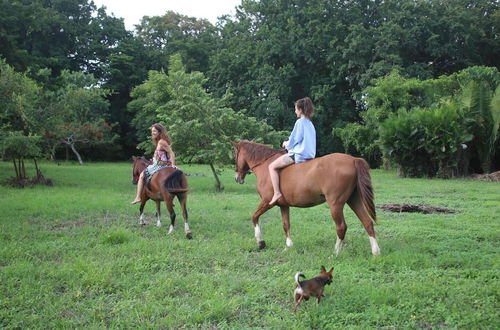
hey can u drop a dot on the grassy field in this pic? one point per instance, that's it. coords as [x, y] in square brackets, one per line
[74, 256]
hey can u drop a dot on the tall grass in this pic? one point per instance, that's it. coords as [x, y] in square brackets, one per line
[74, 256]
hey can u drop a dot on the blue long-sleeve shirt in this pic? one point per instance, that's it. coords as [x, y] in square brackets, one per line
[302, 140]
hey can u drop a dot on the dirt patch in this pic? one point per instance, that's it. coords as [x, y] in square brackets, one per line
[68, 225]
[23, 183]
[494, 177]
[419, 208]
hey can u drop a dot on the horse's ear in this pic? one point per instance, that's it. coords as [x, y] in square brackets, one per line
[234, 144]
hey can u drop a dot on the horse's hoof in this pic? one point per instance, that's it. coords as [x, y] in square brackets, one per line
[262, 245]
[189, 236]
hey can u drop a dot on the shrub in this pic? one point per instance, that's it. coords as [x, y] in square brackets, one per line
[426, 142]
[17, 147]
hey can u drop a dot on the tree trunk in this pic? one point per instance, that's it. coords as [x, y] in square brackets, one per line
[18, 175]
[39, 174]
[218, 185]
[72, 145]
[53, 153]
[23, 169]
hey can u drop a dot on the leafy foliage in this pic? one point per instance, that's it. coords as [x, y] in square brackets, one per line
[275, 52]
[468, 91]
[202, 125]
[74, 114]
[60, 35]
[268, 55]
[18, 99]
[426, 142]
[17, 147]
[478, 101]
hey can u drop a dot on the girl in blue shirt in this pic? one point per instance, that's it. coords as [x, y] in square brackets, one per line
[301, 144]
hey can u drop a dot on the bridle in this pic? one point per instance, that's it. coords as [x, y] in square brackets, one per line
[134, 174]
[256, 165]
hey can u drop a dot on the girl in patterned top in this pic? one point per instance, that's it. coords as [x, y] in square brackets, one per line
[163, 157]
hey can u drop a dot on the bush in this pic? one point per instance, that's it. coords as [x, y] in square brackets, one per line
[426, 142]
[17, 147]
[473, 93]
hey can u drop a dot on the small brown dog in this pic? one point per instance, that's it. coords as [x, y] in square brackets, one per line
[313, 287]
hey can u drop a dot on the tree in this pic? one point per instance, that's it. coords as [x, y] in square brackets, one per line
[163, 36]
[277, 51]
[201, 125]
[479, 100]
[127, 68]
[18, 147]
[73, 114]
[58, 34]
[18, 98]
[462, 104]
[147, 98]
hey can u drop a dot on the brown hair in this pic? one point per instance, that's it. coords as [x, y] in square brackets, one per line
[305, 104]
[162, 134]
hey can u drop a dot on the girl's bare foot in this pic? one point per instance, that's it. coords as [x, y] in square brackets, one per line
[275, 198]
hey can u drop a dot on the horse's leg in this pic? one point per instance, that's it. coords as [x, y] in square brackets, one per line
[263, 207]
[285, 218]
[183, 201]
[337, 212]
[158, 214]
[141, 212]
[169, 203]
[357, 206]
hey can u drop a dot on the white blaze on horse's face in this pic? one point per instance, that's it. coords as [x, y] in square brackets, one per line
[238, 178]
[240, 174]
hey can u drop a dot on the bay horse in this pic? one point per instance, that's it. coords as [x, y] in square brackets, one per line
[335, 178]
[165, 184]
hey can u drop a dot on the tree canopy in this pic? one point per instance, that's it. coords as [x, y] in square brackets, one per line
[271, 53]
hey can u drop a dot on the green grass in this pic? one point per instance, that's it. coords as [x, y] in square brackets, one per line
[74, 256]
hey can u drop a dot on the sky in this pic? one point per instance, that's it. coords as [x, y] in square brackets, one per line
[133, 10]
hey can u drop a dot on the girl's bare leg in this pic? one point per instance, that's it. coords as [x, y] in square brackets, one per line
[140, 185]
[277, 164]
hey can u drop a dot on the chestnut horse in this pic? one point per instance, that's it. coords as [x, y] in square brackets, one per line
[334, 178]
[164, 186]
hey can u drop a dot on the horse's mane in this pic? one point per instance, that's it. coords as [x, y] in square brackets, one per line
[138, 161]
[257, 151]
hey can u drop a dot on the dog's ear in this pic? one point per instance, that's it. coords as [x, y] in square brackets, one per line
[323, 269]
[331, 270]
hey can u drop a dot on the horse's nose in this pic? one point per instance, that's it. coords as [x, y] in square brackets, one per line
[238, 179]
[134, 181]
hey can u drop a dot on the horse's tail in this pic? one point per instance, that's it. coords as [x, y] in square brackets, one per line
[365, 188]
[297, 276]
[176, 182]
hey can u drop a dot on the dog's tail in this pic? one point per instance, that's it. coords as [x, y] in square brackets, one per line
[297, 276]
